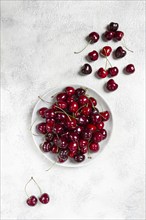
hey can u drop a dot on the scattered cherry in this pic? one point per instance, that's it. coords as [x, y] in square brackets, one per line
[106, 51]
[111, 85]
[32, 201]
[86, 69]
[113, 26]
[120, 52]
[109, 35]
[102, 73]
[93, 55]
[113, 71]
[44, 198]
[93, 37]
[130, 68]
[118, 35]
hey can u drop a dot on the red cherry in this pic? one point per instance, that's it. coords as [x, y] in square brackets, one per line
[86, 111]
[94, 147]
[84, 150]
[70, 91]
[58, 129]
[113, 26]
[71, 123]
[106, 51]
[61, 116]
[93, 55]
[93, 37]
[100, 125]
[61, 104]
[72, 154]
[105, 115]
[73, 146]
[50, 113]
[42, 128]
[91, 127]
[113, 71]
[44, 198]
[130, 68]
[62, 159]
[97, 137]
[83, 143]
[92, 101]
[61, 96]
[46, 147]
[104, 133]
[78, 129]
[70, 99]
[73, 107]
[109, 35]
[111, 85]
[49, 126]
[42, 112]
[79, 92]
[49, 137]
[96, 118]
[73, 136]
[118, 35]
[32, 201]
[83, 100]
[86, 69]
[102, 73]
[54, 149]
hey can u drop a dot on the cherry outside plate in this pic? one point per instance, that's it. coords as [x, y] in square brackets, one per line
[36, 119]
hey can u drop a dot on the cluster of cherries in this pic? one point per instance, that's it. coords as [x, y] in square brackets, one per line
[111, 33]
[73, 125]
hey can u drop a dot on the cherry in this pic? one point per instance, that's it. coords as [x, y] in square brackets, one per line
[79, 157]
[50, 113]
[130, 68]
[71, 123]
[42, 128]
[73, 146]
[104, 133]
[79, 92]
[118, 35]
[32, 201]
[97, 137]
[83, 143]
[70, 91]
[73, 136]
[113, 71]
[49, 137]
[105, 115]
[44, 198]
[94, 147]
[95, 111]
[109, 35]
[83, 100]
[61, 104]
[86, 69]
[61, 116]
[50, 120]
[70, 99]
[58, 129]
[62, 143]
[86, 111]
[93, 37]
[95, 118]
[72, 154]
[46, 147]
[84, 150]
[54, 149]
[49, 126]
[106, 51]
[111, 85]
[82, 120]
[73, 107]
[113, 26]
[92, 101]
[93, 55]
[120, 52]
[86, 134]
[100, 125]
[63, 153]
[62, 159]
[42, 112]
[102, 73]
[91, 127]
[61, 96]
[65, 135]
[78, 129]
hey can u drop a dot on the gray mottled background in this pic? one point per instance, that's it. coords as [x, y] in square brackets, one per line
[38, 40]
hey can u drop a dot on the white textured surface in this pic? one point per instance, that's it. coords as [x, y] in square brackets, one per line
[38, 40]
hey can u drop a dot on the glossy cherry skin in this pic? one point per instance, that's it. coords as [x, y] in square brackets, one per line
[91, 127]
[109, 35]
[104, 133]
[83, 100]
[65, 134]
[61, 104]
[130, 68]
[120, 52]
[84, 150]
[118, 35]
[63, 153]
[70, 91]
[94, 147]
[105, 115]
[83, 143]
[58, 129]
[96, 118]
[46, 147]
[49, 126]
[42, 112]
[73, 136]
[32, 201]
[73, 107]
[113, 26]
[95, 111]
[92, 101]
[62, 143]
[72, 154]
[62, 159]
[50, 113]
[54, 149]
[113, 71]
[79, 92]
[61, 116]
[70, 99]
[86, 111]
[100, 125]
[79, 157]
[44, 198]
[49, 137]
[71, 123]
[82, 120]
[86, 134]
[102, 73]
[86, 69]
[97, 137]
[93, 55]
[106, 51]
[93, 37]
[61, 96]
[73, 146]
[78, 129]
[42, 128]
[111, 85]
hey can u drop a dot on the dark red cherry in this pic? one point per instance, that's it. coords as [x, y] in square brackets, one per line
[79, 92]
[58, 129]
[118, 35]
[113, 71]
[65, 134]
[106, 51]
[95, 111]
[86, 134]
[71, 123]
[84, 150]
[102, 73]
[42, 128]
[105, 115]
[72, 154]
[62, 159]
[111, 85]
[70, 91]
[82, 120]
[78, 129]
[93, 37]
[61, 104]
[61, 96]
[91, 127]
[63, 153]
[61, 116]
[130, 68]
[86, 111]
[62, 143]
[109, 35]
[32, 201]
[50, 119]
[96, 118]
[97, 137]
[83, 100]
[94, 147]
[86, 69]
[73, 136]
[73, 146]
[113, 26]
[92, 101]
[83, 143]
[100, 125]
[93, 55]
[79, 157]
[120, 52]
[49, 137]
[73, 107]
[54, 149]
[46, 147]
[44, 198]
[104, 133]
[49, 126]
[42, 112]
[50, 113]
[70, 99]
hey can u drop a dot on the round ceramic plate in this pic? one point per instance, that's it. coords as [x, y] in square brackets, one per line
[36, 119]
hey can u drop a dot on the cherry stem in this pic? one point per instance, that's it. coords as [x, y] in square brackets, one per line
[81, 108]
[43, 100]
[52, 166]
[63, 112]
[32, 179]
[83, 48]
[108, 61]
[31, 129]
[124, 45]
[89, 155]
[106, 64]
[66, 113]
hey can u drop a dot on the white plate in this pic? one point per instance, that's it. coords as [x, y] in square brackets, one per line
[36, 119]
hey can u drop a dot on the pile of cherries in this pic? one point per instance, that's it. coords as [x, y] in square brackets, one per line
[116, 35]
[72, 126]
